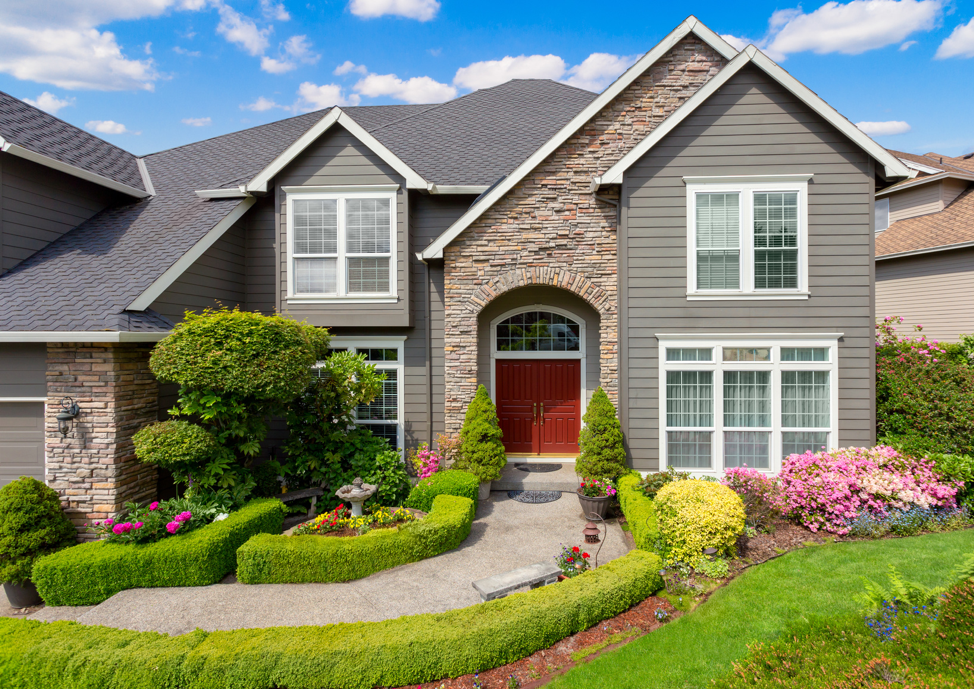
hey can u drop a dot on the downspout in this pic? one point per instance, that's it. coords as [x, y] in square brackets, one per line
[429, 352]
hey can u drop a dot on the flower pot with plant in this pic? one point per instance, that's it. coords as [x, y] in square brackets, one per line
[31, 524]
[481, 450]
[572, 561]
[595, 495]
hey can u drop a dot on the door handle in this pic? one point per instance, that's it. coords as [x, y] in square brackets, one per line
[535, 413]
[542, 413]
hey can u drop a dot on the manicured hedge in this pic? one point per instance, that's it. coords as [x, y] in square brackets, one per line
[639, 511]
[451, 482]
[90, 573]
[266, 559]
[407, 650]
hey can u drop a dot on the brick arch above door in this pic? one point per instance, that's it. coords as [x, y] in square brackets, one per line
[575, 283]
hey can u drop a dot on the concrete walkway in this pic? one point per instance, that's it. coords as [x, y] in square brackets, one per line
[505, 535]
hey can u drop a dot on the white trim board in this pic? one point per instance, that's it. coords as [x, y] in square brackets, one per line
[894, 167]
[80, 336]
[162, 283]
[335, 116]
[690, 25]
[221, 194]
[929, 250]
[747, 336]
[27, 154]
[920, 181]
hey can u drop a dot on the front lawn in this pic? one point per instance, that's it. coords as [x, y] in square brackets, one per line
[815, 582]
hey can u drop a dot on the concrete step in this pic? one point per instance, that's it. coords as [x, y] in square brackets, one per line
[513, 478]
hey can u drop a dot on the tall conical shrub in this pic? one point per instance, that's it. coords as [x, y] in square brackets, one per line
[600, 442]
[481, 450]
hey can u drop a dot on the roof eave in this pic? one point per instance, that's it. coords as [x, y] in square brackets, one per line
[80, 336]
[920, 181]
[927, 250]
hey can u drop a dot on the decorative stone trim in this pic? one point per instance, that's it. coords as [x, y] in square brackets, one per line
[550, 229]
[94, 466]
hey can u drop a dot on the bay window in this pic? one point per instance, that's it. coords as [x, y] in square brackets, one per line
[730, 404]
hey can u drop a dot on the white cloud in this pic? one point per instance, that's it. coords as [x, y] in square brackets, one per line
[294, 50]
[415, 90]
[884, 128]
[349, 66]
[48, 102]
[261, 104]
[739, 42]
[907, 45]
[148, 48]
[599, 70]
[423, 10]
[59, 42]
[482, 75]
[108, 127]
[198, 121]
[188, 53]
[242, 30]
[960, 43]
[851, 29]
[274, 10]
[314, 97]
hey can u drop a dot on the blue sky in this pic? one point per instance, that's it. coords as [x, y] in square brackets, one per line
[152, 74]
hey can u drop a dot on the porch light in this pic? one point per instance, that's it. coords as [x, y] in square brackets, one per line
[69, 410]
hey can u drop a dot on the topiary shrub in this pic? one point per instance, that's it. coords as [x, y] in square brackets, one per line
[31, 525]
[639, 511]
[694, 515]
[481, 450]
[184, 449]
[602, 454]
[450, 482]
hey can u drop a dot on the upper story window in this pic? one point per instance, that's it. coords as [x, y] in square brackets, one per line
[341, 245]
[747, 237]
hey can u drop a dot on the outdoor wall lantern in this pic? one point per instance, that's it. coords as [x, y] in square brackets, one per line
[69, 410]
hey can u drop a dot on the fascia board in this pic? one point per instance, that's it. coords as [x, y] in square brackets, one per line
[920, 181]
[928, 169]
[27, 154]
[80, 336]
[221, 194]
[691, 24]
[146, 179]
[162, 283]
[458, 188]
[665, 337]
[413, 179]
[928, 250]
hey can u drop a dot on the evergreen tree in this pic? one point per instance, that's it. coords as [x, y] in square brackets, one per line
[481, 450]
[602, 453]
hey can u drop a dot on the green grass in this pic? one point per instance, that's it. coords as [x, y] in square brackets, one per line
[816, 582]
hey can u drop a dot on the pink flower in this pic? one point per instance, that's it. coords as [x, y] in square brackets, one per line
[184, 516]
[119, 529]
[108, 522]
[137, 525]
[172, 527]
[153, 506]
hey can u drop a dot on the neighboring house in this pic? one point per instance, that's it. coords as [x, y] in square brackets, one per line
[697, 239]
[925, 246]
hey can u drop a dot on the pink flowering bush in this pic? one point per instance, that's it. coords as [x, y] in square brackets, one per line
[829, 490]
[759, 492]
[426, 460]
[162, 519]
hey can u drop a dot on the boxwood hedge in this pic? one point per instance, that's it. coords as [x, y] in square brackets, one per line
[266, 559]
[90, 573]
[407, 650]
[451, 482]
[639, 511]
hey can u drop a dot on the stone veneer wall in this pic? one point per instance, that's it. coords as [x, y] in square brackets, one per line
[550, 229]
[94, 467]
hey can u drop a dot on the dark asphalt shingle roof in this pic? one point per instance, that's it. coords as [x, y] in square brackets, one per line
[37, 131]
[84, 280]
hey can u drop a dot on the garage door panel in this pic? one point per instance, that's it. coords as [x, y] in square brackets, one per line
[21, 440]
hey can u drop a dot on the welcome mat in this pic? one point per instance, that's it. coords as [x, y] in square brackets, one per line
[537, 468]
[534, 497]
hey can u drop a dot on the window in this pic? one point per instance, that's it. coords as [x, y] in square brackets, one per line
[341, 245]
[747, 237]
[881, 214]
[383, 415]
[538, 331]
[744, 403]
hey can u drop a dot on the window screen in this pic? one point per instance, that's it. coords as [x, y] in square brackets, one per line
[690, 354]
[718, 241]
[776, 240]
[804, 353]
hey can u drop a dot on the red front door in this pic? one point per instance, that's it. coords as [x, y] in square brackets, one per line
[539, 405]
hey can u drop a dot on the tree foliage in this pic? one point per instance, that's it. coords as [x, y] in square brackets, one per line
[481, 449]
[602, 454]
[187, 451]
[31, 525]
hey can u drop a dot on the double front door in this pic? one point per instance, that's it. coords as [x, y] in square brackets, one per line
[539, 405]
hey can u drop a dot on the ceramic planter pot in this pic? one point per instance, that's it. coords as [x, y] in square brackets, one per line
[22, 596]
[599, 506]
[484, 493]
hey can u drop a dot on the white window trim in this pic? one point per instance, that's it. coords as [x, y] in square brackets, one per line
[776, 366]
[746, 186]
[342, 295]
[398, 367]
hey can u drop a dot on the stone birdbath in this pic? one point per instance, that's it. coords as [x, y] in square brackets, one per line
[357, 493]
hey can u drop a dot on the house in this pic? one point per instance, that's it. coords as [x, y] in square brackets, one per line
[697, 240]
[925, 246]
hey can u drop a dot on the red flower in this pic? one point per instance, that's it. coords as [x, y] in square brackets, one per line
[585, 555]
[575, 549]
[570, 560]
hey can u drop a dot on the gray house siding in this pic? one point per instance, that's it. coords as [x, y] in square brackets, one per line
[933, 289]
[38, 205]
[260, 264]
[23, 370]
[338, 158]
[750, 126]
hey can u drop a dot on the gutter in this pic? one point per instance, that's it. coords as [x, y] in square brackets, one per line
[928, 250]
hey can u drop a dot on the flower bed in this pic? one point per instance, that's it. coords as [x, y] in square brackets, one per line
[407, 650]
[90, 573]
[266, 559]
[340, 522]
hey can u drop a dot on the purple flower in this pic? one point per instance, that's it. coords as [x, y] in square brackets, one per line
[153, 506]
[172, 527]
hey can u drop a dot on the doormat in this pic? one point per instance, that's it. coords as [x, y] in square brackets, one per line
[537, 468]
[534, 497]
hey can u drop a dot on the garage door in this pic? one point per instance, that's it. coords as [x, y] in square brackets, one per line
[21, 440]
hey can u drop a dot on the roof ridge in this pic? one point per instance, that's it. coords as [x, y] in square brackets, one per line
[432, 106]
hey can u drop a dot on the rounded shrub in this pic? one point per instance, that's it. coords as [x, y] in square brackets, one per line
[176, 445]
[31, 525]
[602, 454]
[694, 515]
[450, 482]
[481, 450]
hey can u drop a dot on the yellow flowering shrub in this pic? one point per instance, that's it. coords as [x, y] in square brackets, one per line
[693, 515]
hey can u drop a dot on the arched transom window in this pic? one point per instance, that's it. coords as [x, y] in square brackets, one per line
[538, 331]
